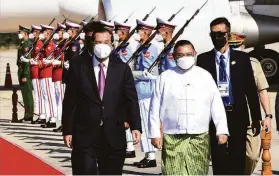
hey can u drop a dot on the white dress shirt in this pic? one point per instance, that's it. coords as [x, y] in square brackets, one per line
[185, 103]
[97, 68]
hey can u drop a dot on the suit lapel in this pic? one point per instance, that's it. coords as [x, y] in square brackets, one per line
[110, 78]
[232, 65]
[90, 75]
[212, 66]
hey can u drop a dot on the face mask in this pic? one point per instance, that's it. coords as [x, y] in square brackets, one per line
[41, 36]
[159, 38]
[20, 36]
[55, 36]
[102, 51]
[136, 37]
[186, 62]
[218, 39]
[82, 36]
[81, 45]
[31, 36]
[66, 35]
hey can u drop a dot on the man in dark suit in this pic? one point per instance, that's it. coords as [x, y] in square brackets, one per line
[233, 74]
[100, 96]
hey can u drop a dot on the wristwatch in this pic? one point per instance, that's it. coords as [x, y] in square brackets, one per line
[268, 115]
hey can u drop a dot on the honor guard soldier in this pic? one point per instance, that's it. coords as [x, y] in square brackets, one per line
[73, 51]
[45, 77]
[165, 35]
[252, 152]
[24, 73]
[38, 44]
[57, 70]
[144, 82]
[122, 30]
[110, 26]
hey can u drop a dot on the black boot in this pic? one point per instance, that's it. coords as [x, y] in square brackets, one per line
[130, 154]
[39, 121]
[147, 163]
[26, 119]
[59, 129]
[141, 161]
[49, 125]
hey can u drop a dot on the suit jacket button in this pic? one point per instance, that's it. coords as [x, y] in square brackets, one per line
[103, 107]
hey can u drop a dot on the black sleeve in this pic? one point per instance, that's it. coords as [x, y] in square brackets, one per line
[69, 102]
[133, 112]
[251, 90]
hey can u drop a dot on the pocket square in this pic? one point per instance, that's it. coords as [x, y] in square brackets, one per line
[233, 62]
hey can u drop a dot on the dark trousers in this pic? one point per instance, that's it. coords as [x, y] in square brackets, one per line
[109, 160]
[277, 110]
[229, 158]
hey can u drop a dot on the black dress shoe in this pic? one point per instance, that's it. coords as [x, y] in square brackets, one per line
[147, 163]
[39, 121]
[59, 129]
[25, 119]
[130, 154]
[49, 125]
[141, 161]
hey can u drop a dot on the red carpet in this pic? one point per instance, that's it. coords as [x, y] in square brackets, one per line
[15, 161]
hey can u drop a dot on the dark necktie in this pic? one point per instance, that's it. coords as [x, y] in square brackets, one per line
[102, 80]
[222, 69]
[223, 77]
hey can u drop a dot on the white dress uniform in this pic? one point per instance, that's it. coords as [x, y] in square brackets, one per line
[124, 54]
[185, 102]
[144, 83]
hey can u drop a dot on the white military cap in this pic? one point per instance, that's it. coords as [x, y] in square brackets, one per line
[46, 27]
[121, 26]
[165, 24]
[34, 27]
[70, 25]
[60, 26]
[144, 25]
[107, 25]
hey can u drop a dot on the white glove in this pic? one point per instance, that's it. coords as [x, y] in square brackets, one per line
[33, 62]
[143, 75]
[23, 59]
[148, 76]
[46, 61]
[66, 65]
[56, 62]
[66, 35]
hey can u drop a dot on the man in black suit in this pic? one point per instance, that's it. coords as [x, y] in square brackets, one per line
[232, 72]
[100, 96]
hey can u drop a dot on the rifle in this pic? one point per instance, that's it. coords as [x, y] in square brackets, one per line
[173, 40]
[70, 41]
[31, 49]
[150, 38]
[123, 43]
[47, 42]
[128, 17]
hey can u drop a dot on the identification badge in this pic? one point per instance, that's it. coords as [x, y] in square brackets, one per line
[224, 89]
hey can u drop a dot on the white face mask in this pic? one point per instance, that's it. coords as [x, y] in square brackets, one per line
[159, 38]
[136, 37]
[82, 36]
[31, 36]
[102, 51]
[41, 36]
[186, 62]
[81, 45]
[20, 36]
[66, 35]
[55, 36]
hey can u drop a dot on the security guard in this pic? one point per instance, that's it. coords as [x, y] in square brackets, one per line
[88, 29]
[165, 35]
[124, 53]
[144, 82]
[24, 73]
[252, 155]
[73, 51]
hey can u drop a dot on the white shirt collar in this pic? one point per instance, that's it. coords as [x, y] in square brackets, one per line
[226, 54]
[96, 62]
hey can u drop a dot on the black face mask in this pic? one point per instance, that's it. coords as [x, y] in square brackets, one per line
[218, 39]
